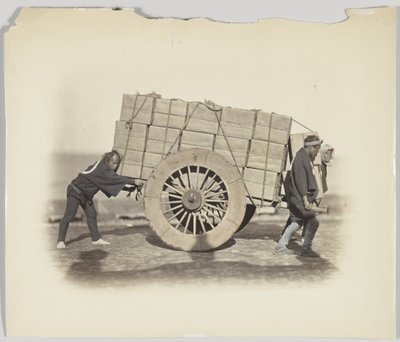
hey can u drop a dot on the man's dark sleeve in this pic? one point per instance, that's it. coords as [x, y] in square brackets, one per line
[299, 175]
[130, 180]
[111, 183]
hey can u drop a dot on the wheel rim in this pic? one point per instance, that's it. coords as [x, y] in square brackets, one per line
[195, 200]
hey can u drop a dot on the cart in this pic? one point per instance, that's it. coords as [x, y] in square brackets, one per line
[206, 167]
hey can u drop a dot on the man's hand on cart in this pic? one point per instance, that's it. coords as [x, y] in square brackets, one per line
[137, 185]
[307, 204]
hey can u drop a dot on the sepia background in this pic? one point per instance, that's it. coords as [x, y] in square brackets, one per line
[66, 71]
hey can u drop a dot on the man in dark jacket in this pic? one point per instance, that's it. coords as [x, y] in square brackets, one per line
[99, 176]
[303, 192]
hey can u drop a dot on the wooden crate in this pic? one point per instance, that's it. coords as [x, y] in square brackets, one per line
[238, 146]
[160, 140]
[168, 120]
[162, 106]
[202, 119]
[264, 155]
[260, 188]
[273, 120]
[237, 123]
[132, 139]
[271, 134]
[131, 164]
[146, 172]
[138, 108]
[151, 160]
[240, 158]
[196, 139]
[132, 170]
[179, 107]
[174, 107]
[237, 116]
[272, 127]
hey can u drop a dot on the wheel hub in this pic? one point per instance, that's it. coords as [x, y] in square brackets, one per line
[192, 200]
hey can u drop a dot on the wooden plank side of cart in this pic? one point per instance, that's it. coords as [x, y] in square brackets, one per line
[253, 141]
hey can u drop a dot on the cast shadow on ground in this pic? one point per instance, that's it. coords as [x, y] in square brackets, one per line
[157, 242]
[200, 270]
[255, 232]
[91, 269]
[203, 268]
[114, 231]
[90, 262]
[198, 257]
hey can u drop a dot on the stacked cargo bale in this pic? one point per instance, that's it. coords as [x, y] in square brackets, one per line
[159, 123]
[263, 139]
[255, 142]
[131, 134]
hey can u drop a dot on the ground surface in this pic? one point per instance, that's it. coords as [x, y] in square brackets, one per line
[136, 255]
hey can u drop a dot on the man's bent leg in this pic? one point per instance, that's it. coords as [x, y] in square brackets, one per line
[289, 231]
[69, 215]
[311, 227]
[91, 217]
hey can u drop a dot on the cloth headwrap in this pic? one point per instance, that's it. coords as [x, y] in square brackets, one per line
[324, 149]
[312, 143]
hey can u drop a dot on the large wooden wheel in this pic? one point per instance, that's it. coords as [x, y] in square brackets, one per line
[195, 200]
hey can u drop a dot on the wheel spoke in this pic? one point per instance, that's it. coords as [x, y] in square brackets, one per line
[171, 218]
[171, 202]
[187, 222]
[188, 177]
[197, 176]
[212, 188]
[212, 214]
[201, 223]
[215, 194]
[181, 220]
[216, 201]
[182, 178]
[174, 196]
[222, 205]
[170, 209]
[207, 219]
[194, 224]
[223, 209]
[204, 180]
[219, 214]
[214, 207]
[210, 181]
[174, 189]
[177, 185]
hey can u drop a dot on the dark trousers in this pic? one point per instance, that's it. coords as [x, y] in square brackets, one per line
[73, 204]
[308, 219]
